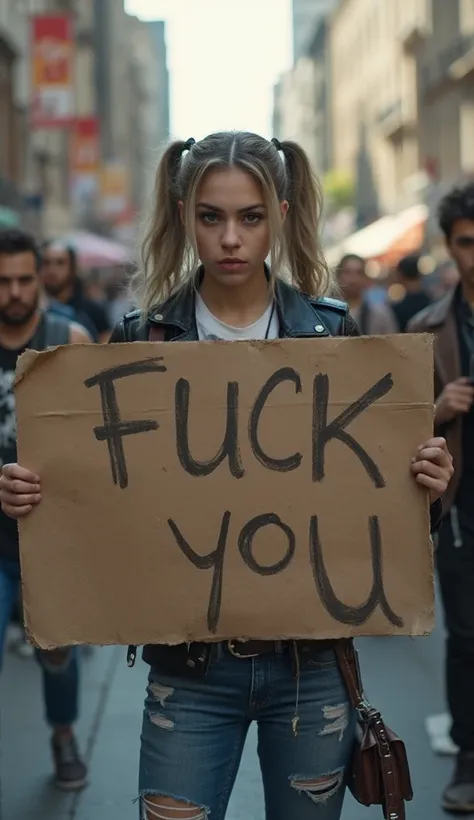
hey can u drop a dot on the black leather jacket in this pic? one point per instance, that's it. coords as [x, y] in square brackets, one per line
[300, 316]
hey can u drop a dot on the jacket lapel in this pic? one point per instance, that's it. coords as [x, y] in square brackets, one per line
[442, 320]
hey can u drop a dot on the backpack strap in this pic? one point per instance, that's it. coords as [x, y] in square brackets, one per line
[52, 331]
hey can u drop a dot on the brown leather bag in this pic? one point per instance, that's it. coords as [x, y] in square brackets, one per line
[379, 774]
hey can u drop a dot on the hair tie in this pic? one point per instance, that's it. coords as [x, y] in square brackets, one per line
[189, 144]
[277, 144]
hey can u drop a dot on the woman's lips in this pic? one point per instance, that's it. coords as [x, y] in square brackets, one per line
[232, 264]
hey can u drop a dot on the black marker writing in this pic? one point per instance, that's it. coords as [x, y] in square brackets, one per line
[324, 432]
[213, 559]
[281, 465]
[114, 428]
[344, 614]
[230, 445]
[247, 535]
[352, 615]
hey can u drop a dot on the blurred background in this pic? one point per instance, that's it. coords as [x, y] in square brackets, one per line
[379, 92]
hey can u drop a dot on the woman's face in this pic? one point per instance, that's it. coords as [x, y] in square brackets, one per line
[232, 226]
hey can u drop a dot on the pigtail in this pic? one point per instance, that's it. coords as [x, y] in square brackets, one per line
[304, 255]
[165, 241]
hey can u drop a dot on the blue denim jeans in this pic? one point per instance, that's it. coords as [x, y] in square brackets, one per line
[60, 682]
[194, 732]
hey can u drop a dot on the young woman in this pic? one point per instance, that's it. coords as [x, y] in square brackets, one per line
[222, 206]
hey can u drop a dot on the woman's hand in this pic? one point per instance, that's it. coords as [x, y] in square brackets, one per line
[433, 467]
[19, 490]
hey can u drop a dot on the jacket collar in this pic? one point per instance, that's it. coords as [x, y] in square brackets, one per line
[296, 314]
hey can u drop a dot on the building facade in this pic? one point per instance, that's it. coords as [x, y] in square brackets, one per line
[300, 106]
[161, 106]
[374, 101]
[120, 78]
[403, 99]
[294, 115]
[320, 54]
[306, 16]
[445, 63]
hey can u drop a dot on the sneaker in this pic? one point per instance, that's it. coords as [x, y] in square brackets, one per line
[71, 771]
[458, 797]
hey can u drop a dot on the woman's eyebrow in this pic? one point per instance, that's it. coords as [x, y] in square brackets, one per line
[220, 210]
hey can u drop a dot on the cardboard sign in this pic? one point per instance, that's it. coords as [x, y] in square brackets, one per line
[204, 491]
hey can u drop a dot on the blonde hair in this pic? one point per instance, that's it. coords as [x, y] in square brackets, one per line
[169, 254]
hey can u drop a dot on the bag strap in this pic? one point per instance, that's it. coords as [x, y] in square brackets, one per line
[370, 718]
[52, 331]
[349, 665]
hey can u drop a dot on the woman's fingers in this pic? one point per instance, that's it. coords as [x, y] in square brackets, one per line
[434, 454]
[13, 472]
[18, 487]
[436, 486]
[16, 512]
[433, 467]
[19, 490]
[19, 499]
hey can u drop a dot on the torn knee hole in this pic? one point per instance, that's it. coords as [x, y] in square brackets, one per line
[160, 693]
[337, 719]
[319, 788]
[161, 721]
[167, 808]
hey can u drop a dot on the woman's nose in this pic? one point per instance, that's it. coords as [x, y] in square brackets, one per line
[231, 238]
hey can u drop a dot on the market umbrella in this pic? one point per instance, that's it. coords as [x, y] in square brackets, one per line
[97, 251]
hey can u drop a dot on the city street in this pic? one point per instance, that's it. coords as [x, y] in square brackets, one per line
[403, 678]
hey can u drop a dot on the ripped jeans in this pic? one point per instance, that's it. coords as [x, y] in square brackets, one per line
[194, 732]
[60, 681]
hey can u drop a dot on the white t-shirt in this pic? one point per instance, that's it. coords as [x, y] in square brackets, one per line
[212, 329]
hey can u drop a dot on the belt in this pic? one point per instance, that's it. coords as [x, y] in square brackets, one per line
[252, 649]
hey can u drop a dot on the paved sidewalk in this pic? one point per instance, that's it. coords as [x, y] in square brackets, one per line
[403, 677]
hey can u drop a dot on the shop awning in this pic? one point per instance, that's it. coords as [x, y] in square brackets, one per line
[386, 240]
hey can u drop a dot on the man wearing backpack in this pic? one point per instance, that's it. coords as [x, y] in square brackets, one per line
[24, 325]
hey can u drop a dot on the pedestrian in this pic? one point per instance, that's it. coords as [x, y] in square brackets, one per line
[65, 291]
[222, 205]
[24, 325]
[452, 321]
[371, 318]
[415, 297]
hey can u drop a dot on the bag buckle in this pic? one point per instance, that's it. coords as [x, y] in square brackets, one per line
[367, 711]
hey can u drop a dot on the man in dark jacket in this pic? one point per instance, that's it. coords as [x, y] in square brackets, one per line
[452, 321]
[415, 297]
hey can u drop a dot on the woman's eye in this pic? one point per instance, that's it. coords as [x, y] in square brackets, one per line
[252, 219]
[209, 219]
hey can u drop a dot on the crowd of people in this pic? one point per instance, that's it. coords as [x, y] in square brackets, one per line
[235, 199]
